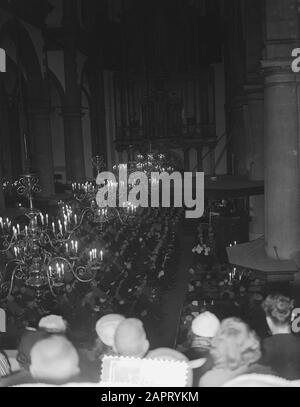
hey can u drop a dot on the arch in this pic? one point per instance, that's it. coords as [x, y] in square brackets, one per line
[27, 53]
[13, 124]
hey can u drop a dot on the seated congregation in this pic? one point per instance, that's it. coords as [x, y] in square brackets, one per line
[217, 352]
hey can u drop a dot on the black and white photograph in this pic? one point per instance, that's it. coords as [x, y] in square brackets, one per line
[149, 196]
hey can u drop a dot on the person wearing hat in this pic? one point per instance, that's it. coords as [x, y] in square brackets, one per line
[105, 328]
[130, 339]
[203, 329]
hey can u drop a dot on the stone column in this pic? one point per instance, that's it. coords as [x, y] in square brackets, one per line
[281, 94]
[42, 157]
[40, 130]
[282, 172]
[72, 112]
[72, 116]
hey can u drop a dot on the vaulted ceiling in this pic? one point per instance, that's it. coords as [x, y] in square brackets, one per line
[135, 35]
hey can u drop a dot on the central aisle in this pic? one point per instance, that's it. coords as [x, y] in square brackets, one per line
[173, 299]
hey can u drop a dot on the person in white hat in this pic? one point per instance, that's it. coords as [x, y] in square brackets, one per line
[206, 325]
[91, 362]
[203, 329]
[53, 324]
[106, 328]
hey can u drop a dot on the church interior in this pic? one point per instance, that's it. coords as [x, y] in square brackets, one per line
[89, 88]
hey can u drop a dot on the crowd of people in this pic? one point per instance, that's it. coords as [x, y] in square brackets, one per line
[139, 263]
[220, 344]
[217, 352]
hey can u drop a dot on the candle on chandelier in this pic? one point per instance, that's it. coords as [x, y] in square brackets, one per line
[101, 255]
[18, 228]
[62, 270]
[75, 219]
[76, 247]
[42, 219]
[47, 219]
[1, 224]
[8, 224]
[26, 230]
[58, 270]
[53, 227]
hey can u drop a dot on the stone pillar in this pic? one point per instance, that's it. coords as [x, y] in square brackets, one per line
[73, 143]
[282, 173]
[72, 112]
[282, 101]
[40, 130]
[98, 112]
